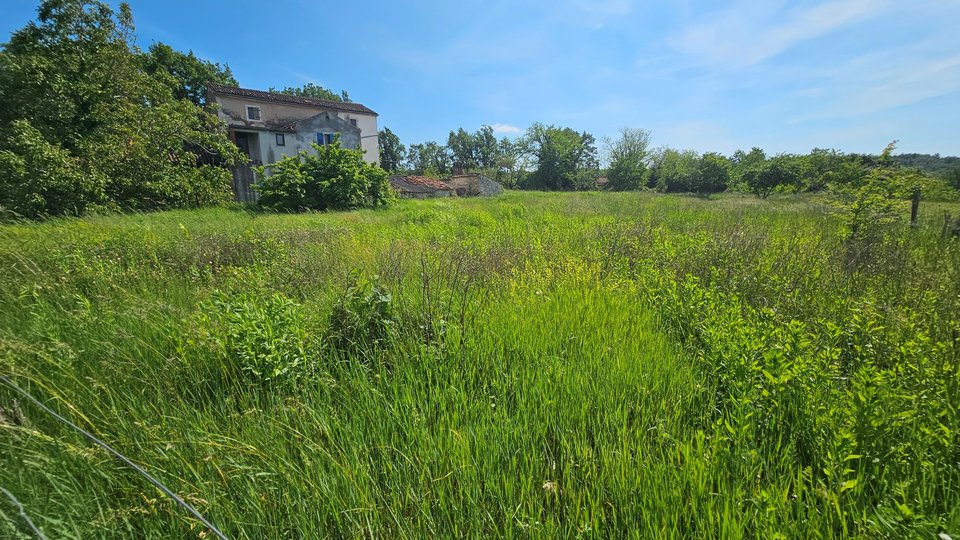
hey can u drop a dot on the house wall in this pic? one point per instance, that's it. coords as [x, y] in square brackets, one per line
[233, 110]
[306, 135]
[472, 185]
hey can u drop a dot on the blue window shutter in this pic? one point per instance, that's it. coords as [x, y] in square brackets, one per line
[319, 138]
[329, 137]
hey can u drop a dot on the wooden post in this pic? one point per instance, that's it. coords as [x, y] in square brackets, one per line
[914, 207]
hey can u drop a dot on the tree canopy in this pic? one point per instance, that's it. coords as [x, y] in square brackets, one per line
[85, 124]
[313, 90]
[189, 74]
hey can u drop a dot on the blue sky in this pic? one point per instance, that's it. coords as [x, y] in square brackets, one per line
[706, 75]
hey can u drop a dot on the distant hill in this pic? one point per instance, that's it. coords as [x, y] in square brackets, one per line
[933, 164]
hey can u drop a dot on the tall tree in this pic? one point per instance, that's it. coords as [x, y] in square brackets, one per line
[392, 152]
[565, 159]
[78, 100]
[675, 170]
[627, 159]
[189, 74]
[429, 158]
[486, 147]
[713, 174]
[764, 178]
[462, 149]
[314, 91]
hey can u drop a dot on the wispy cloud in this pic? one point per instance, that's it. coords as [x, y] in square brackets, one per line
[505, 128]
[751, 31]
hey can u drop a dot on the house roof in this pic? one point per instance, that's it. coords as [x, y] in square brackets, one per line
[275, 97]
[417, 184]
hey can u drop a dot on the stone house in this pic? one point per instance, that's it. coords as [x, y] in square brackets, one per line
[419, 187]
[474, 185]
[267, 126]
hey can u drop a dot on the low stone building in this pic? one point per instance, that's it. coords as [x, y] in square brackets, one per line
[474, 185]
[419, 187]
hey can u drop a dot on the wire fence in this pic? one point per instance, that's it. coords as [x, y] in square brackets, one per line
[153, 480]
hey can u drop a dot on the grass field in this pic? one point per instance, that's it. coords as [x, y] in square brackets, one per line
[537, 365]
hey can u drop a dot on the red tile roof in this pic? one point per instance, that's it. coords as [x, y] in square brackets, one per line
[417, 184]
[287, 98]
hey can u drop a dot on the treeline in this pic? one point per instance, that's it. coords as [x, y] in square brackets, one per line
[559, 158]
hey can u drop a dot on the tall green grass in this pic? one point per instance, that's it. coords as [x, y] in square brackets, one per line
[537, 365]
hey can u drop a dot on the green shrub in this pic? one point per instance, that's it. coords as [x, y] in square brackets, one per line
[764, 178]
[265, 338]
[362, 320]
[332, 178]
[38, 177]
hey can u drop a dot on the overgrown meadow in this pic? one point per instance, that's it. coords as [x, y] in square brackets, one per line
[538, 365]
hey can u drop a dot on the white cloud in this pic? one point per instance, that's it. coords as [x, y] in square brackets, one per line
[751, 31]
[505, 128]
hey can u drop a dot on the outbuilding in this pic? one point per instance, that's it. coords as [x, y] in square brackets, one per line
[419, 187]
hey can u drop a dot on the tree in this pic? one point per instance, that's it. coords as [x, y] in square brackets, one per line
[565, 159]
[429, 158]
[392, 152]
[713, 174]
[762, 179]
[743, 161]
[486, 148]
[507, 165]
[953, 177]
[872, 202]
[189, 74]
[675, 171]
[316, 91]
[331, 178]
[627, 159]
[79, 101]
[462, 149]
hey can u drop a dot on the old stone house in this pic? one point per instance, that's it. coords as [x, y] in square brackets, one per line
[474, 185]
[419, 187]
[267, 126]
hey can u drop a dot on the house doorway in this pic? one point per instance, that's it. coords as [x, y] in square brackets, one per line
[249, 144]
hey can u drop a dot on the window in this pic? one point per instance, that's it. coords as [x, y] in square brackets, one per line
[324, 139]
[253, 112]
[353, 121]
[281, 140]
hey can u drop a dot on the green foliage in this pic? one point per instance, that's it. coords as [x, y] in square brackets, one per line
[362, 321]
[713, 174]
[189, 75]
[392, 151]
[764, 178]
[873, 203]
[39, 178]
[953, 178]
[332, 178]
[264, 339]
[675, 171]
[77, 81]
[932, 164]
[627, 159]
[313, 90]
[429, 159]
[565, 159]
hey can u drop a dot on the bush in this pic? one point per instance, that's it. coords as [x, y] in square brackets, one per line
[762, 179]
[39, 178]
[713, 175]
[333, 178]
[362, 320]
[264, 338]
